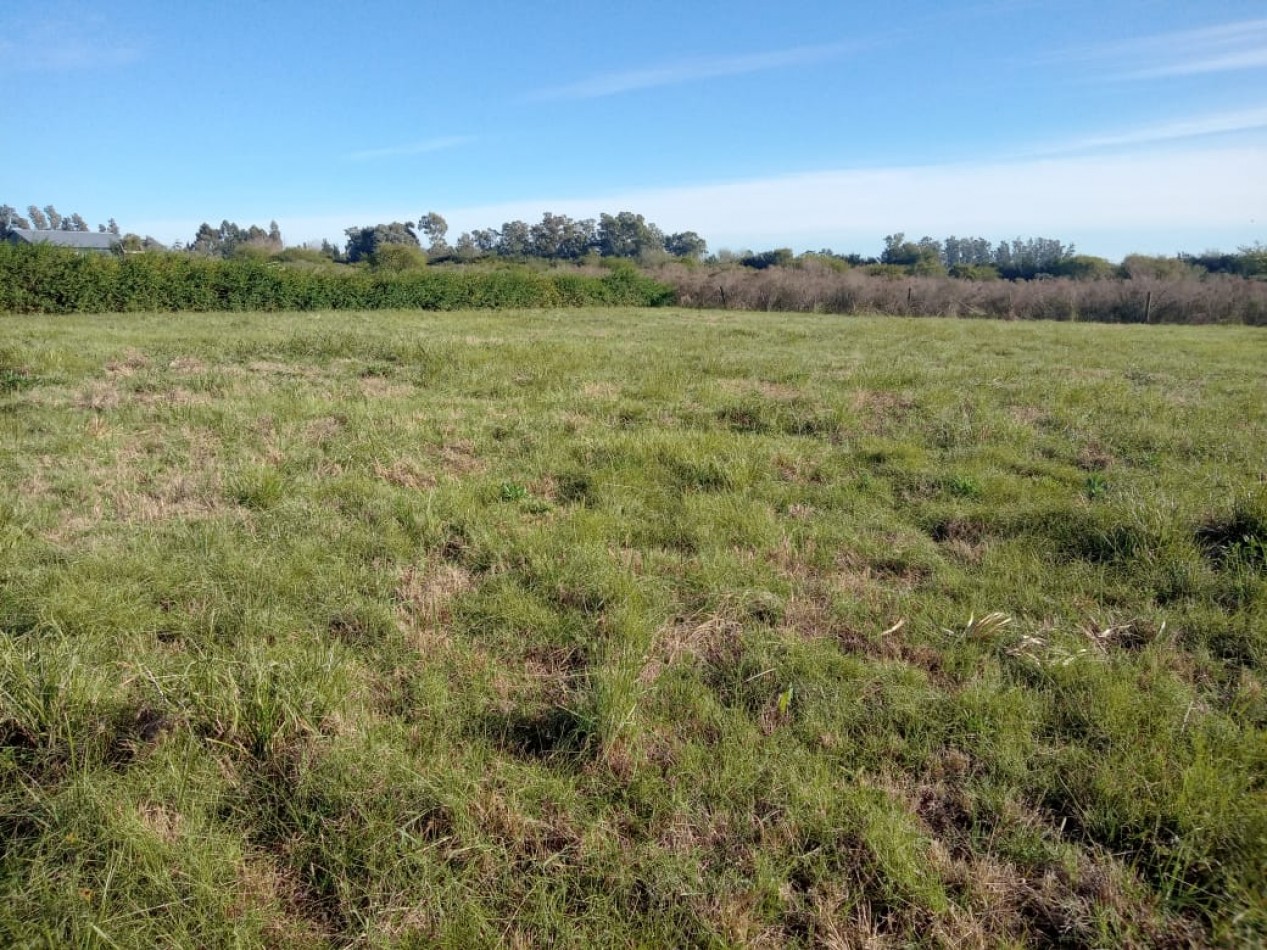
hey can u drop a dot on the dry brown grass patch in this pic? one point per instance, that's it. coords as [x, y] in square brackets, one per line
[292, 917]
[175, 396]
[712, 638]
[553, 672]
[127, 364]
[177, 496]
[99, 397]
[855, 573]
[163, 822]
[405, 473]
[425, 598]
[189, 365]
[320, 431]
[460, 458]
[880, 410]
[1028, 415]
[1094, 457]
[1057, 902]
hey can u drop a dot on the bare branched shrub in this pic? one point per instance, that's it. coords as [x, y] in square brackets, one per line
[813, 288]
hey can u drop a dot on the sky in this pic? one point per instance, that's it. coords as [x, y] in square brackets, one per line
[1118, 125]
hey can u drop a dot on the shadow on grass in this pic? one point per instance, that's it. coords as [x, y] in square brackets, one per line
[547, 734]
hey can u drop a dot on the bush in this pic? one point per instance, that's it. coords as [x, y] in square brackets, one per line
[397, 258]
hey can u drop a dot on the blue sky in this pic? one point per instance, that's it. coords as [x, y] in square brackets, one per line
[1120, 125]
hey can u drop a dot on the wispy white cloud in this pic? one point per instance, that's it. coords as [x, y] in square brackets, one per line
[1226, 47]
[691, 70]
[1147, 200]
[1195, 188]
[63, 45]
[412, 148]
[1189, 127]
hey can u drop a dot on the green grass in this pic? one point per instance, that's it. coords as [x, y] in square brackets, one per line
[630, 628]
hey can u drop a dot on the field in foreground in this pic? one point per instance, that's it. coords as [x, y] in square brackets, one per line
[629, 627]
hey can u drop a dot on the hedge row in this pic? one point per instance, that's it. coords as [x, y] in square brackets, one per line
[43, 279]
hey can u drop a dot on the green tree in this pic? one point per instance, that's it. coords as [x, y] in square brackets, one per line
[54, 219]
[38, 219]
[686, 244]
[627, 235]
[485, 240]
[971, 251]
[919, 257]
[558, 237]
[1253, 260]
[363, 242]
[435, 228]
[515, 239]
[1024, 259]
[229, 238]
[465, 247]
[899, 251]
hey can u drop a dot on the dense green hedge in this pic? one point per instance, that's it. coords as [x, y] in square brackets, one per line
[44, 279]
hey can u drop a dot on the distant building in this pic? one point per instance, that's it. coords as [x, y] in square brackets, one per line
[87, 241]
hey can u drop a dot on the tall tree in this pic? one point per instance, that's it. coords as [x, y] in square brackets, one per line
[627, 235]
[435, 228]
[38, 220]
[486, 239]
[1023, 259]
[75, 223]
[54, 219]
[558, 237]
[515, 239]
[465, 247]
[9, 219]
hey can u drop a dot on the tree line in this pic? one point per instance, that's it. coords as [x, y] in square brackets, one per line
[626, 235]
[47, 219]
[556, 237]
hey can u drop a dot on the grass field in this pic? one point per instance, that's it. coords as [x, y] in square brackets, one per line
[631, 628]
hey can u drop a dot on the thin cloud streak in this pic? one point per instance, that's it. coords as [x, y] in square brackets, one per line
[1227, 62]
[414, 148]
[1218, 123]
[691, 70]
[1226, 47]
